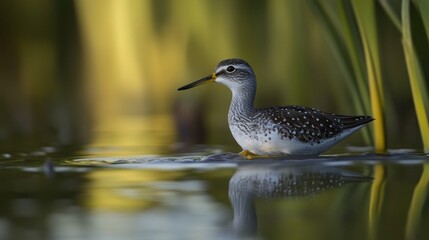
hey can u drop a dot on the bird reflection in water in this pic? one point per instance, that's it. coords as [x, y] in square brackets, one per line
[265, 181]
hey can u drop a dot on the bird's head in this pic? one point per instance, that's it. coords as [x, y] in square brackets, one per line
[234, 73]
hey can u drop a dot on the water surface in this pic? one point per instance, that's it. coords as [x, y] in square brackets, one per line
[52, 195]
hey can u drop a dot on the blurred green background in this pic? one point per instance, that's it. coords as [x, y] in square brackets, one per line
[72, 71]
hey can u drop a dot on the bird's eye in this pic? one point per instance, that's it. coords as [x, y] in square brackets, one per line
[230, 69]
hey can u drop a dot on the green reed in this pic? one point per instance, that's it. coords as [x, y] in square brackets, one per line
[345, 43]
[421, 102]
[351, 27]
[337, 17]
[364, 11]
[415, 69]
[419, 90]
[356, 49]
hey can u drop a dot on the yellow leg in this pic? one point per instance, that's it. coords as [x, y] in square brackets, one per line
[249, 155]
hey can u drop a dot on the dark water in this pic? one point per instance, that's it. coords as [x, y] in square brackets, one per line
[47, 194]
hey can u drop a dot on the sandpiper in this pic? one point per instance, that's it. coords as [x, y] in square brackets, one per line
[282, 130]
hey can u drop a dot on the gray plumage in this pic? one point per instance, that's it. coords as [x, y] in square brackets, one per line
[277, 130]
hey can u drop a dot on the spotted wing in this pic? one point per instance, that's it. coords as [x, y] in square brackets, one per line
[310, 124]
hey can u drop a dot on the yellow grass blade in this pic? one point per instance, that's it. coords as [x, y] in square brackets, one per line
[416, 76]
[345, 45]
[365, 15]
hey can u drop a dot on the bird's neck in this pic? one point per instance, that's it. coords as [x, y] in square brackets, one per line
[242, 101]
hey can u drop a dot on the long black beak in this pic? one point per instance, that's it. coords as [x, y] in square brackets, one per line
[208, 79]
